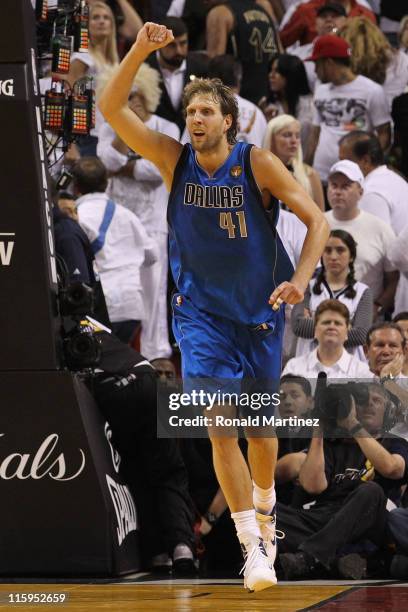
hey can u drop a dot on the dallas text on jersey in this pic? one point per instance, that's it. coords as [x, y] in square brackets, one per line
[214, 196]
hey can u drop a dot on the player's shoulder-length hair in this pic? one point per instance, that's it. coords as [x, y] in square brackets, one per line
[221, 94]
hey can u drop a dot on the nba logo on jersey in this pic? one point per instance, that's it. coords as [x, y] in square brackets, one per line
[236, 171]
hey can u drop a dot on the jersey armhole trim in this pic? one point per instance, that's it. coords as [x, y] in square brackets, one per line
[254, 184]
[178, 169]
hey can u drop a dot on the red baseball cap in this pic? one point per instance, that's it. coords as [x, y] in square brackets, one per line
[329, 45]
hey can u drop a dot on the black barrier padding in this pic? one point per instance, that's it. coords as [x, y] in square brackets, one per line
[27, 262]
[14, 24]
[62, 509]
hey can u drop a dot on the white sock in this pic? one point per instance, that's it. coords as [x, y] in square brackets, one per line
[264, 499]
[246, 524]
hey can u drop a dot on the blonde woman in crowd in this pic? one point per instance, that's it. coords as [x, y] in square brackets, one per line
[282, 137]
[130, 21]
[373, 56]
[136, 184]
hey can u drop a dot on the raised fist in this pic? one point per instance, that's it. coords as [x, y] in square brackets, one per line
[154, 36]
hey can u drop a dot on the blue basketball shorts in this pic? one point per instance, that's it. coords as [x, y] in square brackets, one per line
[226, 355]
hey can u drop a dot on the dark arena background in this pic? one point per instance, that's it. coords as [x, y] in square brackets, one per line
[70, 525]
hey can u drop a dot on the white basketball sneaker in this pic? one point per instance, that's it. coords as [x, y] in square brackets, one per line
[267, 525]
[258, 571]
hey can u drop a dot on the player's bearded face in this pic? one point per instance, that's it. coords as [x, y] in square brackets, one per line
[205, 123]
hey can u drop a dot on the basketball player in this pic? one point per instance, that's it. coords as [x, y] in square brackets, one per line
[231, 270]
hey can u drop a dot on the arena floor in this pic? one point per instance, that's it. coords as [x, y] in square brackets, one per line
[140, 592]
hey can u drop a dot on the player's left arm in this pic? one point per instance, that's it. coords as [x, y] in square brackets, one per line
[272, 176]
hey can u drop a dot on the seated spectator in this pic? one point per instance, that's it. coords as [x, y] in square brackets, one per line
[66, 204]
[385, 192]
[252, 123]
[331, 328]
[301, 26]
[335, 280]
[289, 92]
[102, 52]
[165, 369]
[343, 102]
[402, 321]
[351, 481]
[385, 350]
[120, 244]
[296, 400]
[373, 236]
[330, 18]
[247, 30]
[177, 67]
[283, 139]
[373, 57]
[73, 246]
[136, 184]
[385, 346]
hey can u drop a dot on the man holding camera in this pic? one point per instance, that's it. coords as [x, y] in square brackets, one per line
[350, 477]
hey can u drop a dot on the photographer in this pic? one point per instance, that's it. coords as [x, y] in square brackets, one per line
[351, 478]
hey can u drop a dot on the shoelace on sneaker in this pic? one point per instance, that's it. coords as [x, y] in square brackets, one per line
[269, 523]
[251, 556]
[276, 533]
[279, 535]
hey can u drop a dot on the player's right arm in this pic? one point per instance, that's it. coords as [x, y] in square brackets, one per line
[160, 149]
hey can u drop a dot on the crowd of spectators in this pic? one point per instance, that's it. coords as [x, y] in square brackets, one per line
[324, 86]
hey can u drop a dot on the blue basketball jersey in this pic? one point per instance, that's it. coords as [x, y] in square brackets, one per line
[225, 253]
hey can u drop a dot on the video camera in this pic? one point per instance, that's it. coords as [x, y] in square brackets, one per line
[81, 345]
[333, 402]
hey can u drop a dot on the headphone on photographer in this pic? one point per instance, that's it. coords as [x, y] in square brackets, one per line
[392, 410]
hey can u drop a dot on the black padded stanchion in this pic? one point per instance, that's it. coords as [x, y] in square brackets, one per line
[64, 507]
